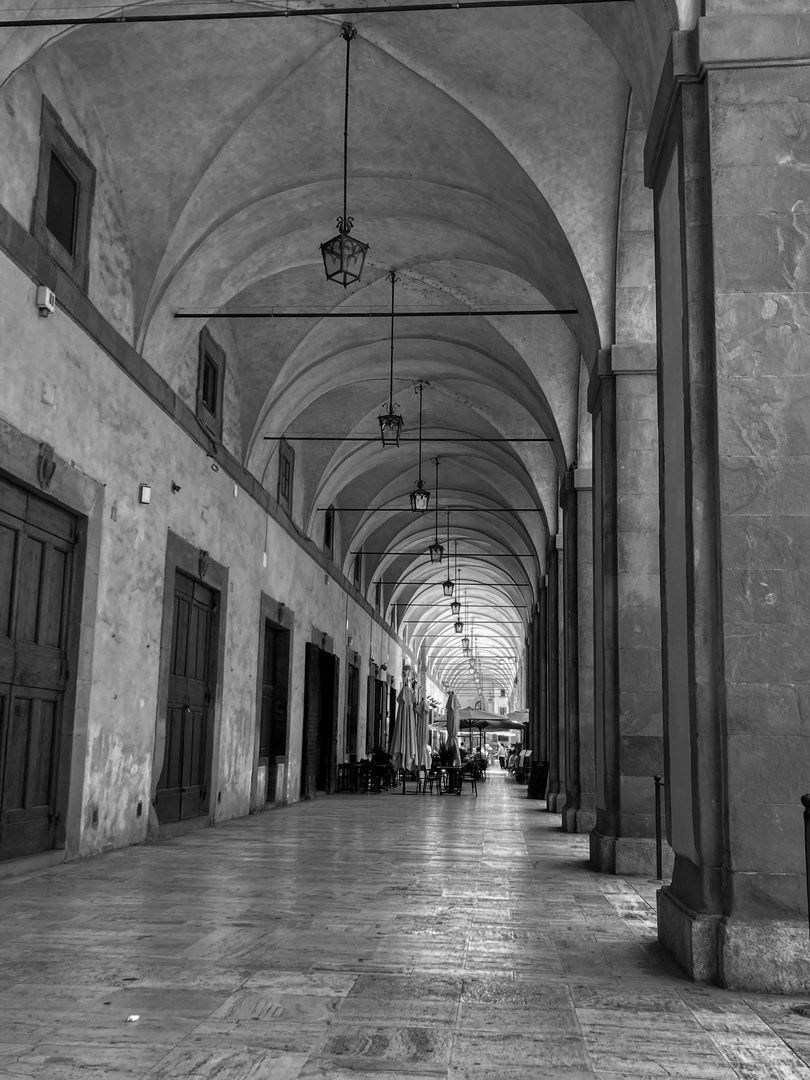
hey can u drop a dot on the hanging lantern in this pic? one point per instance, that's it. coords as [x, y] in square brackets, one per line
[420, 497]
[390, 428]
[391, 422]
[455, 607]
[465, 644]
[459, 626]
[343, 256]
[436, 550]
[447, 588]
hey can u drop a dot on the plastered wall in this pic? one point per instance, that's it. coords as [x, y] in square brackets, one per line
[104, 425]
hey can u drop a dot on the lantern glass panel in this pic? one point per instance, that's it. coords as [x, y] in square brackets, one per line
[420, 499]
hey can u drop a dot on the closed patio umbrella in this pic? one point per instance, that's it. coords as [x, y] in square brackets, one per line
[453, 710]
[403, 748]
[424, 755]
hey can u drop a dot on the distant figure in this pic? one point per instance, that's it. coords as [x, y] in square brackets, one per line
[502, 756]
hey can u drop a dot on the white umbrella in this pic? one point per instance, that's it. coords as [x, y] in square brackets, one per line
[425, 755]
[453, 710]
[403, 749]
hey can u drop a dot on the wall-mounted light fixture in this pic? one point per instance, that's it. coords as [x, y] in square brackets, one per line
[144, 494]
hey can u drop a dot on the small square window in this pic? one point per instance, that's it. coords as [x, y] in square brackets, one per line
[329, 531]
[210, 380]
[63, 195]
[64, 198]
[286, 465]
[210, 383]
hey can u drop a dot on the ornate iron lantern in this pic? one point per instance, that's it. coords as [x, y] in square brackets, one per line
[420, 496]
[343, 255]
[455, 607]
[448, 586]
[391, 421]
[436, 550]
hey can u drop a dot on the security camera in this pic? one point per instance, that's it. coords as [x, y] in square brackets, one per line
[46, 301]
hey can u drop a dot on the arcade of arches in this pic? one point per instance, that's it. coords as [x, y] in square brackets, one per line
[212, 583]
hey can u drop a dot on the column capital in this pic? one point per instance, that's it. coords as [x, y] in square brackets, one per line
[747, 40]
[634, 358]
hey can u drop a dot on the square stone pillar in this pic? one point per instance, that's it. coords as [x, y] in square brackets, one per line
[627, 617]
[578, 813]
[728, 160]
[553, 670]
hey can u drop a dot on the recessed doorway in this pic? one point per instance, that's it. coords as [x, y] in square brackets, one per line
[37, 542]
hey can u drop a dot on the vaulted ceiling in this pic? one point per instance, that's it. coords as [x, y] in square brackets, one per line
[485, 156]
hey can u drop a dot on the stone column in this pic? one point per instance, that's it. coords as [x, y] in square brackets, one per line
[552, 669]
[540, 747]
[728, 161]
[578, 813]
[629, 739]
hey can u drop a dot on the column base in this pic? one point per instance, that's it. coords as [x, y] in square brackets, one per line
[578, 821]
[628, 856]
[764, 956]
[555, 802]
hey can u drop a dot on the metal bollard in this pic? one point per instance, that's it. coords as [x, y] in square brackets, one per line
[659, 854]
[806, 805]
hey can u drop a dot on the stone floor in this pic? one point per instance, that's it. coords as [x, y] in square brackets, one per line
[375, 935]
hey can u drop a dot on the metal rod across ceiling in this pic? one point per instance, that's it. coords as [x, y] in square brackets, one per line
[289, 12]
[424, 313]
[430, 439]
[442, 509]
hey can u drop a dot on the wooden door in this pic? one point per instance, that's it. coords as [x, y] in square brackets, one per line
[327, 726]
[275, 680]
[182, 790]
[352, 709]
[312, 716]
[36, 557]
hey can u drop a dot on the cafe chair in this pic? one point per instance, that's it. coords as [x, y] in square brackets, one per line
[467, 776]
[418, 779]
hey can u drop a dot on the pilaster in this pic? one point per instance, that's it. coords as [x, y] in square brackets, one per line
[727, 163]
[578, 813]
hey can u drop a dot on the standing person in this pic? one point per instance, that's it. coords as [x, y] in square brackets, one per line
[502, 755]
